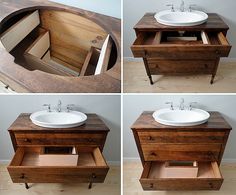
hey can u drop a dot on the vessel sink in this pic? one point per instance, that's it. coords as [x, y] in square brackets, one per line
[179, 18]
[178, 117]
[56, 119]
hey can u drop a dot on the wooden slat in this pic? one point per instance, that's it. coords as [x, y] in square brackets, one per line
[40, 46]
[222, 39]
[86, 62]
[17, 32]
[157, 38]
[205, 38]
[37, 64]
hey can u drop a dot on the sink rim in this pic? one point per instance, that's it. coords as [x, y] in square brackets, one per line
[181, 23]
[181, 123]
[58, 125]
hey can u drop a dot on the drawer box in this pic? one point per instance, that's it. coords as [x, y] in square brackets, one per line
[180, 169]
[154, 45]
[26, 167]
[152, 137]
[188, 152]
[208, 178]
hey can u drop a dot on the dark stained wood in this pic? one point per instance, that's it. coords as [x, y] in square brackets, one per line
[23, 80]
[215, 123]
[210, 182]
[83, 172]
[23, 124]
[29, 141]
[159, 143]
[180, 57]
[214, 23]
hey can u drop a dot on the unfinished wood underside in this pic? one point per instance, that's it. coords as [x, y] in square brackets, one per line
[71, 35]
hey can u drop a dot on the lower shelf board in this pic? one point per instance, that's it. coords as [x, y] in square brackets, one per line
[30, 166]
[154, 178]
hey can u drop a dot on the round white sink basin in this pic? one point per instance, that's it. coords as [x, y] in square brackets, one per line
[179, 18]
[181, 117]
[58, 119]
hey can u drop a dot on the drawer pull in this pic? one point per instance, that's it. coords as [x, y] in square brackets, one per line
[213, 138]
[153, 154]
[90, 140]
[94, 176]
[151, 185]
[26, 140]
[211, 185]
[150, 138]
[22, 176]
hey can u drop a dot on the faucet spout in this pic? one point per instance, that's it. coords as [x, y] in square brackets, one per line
[59, 106]
[181, 106]
[182, 6]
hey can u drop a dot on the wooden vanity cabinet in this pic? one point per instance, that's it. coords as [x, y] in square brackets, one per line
[158, 144]
[46, 155]
[168, 50]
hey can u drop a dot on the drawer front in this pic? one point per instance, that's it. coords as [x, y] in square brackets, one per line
[208, 178]
[192, 152]
[181, 184]
[27, 139]
[150, 137]
[28, 166]
[57, 175]
[149, 45]
[181, 66]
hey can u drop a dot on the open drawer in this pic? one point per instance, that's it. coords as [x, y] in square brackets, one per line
[154, 178]
[181, 45]
[33, 165]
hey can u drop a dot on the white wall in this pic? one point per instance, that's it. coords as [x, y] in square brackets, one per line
[134, 105]
[134, 10]
[107, 107]
[106, 7]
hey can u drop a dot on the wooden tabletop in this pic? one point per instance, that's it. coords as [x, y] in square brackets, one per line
[23, 80]
[216, 122]
[214, 23]
[23, 124]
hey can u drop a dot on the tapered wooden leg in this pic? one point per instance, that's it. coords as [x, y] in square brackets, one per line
[91, 182]
[215, 70]
[151, 81]
[90, 185]
[212, 79]
[147, 70]
[26, 186]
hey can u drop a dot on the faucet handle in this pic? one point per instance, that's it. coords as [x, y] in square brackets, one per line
[172, 7]
[191, 105]
[68, 106]
[49, 107]
[171, 105]
[191, 7]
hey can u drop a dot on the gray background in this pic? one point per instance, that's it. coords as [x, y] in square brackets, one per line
[135, 105]
[134, 10]
[107, 107]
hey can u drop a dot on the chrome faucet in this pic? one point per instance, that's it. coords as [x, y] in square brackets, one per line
[181, 106]
[48, 107]
[59, 106]
[181, 8]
